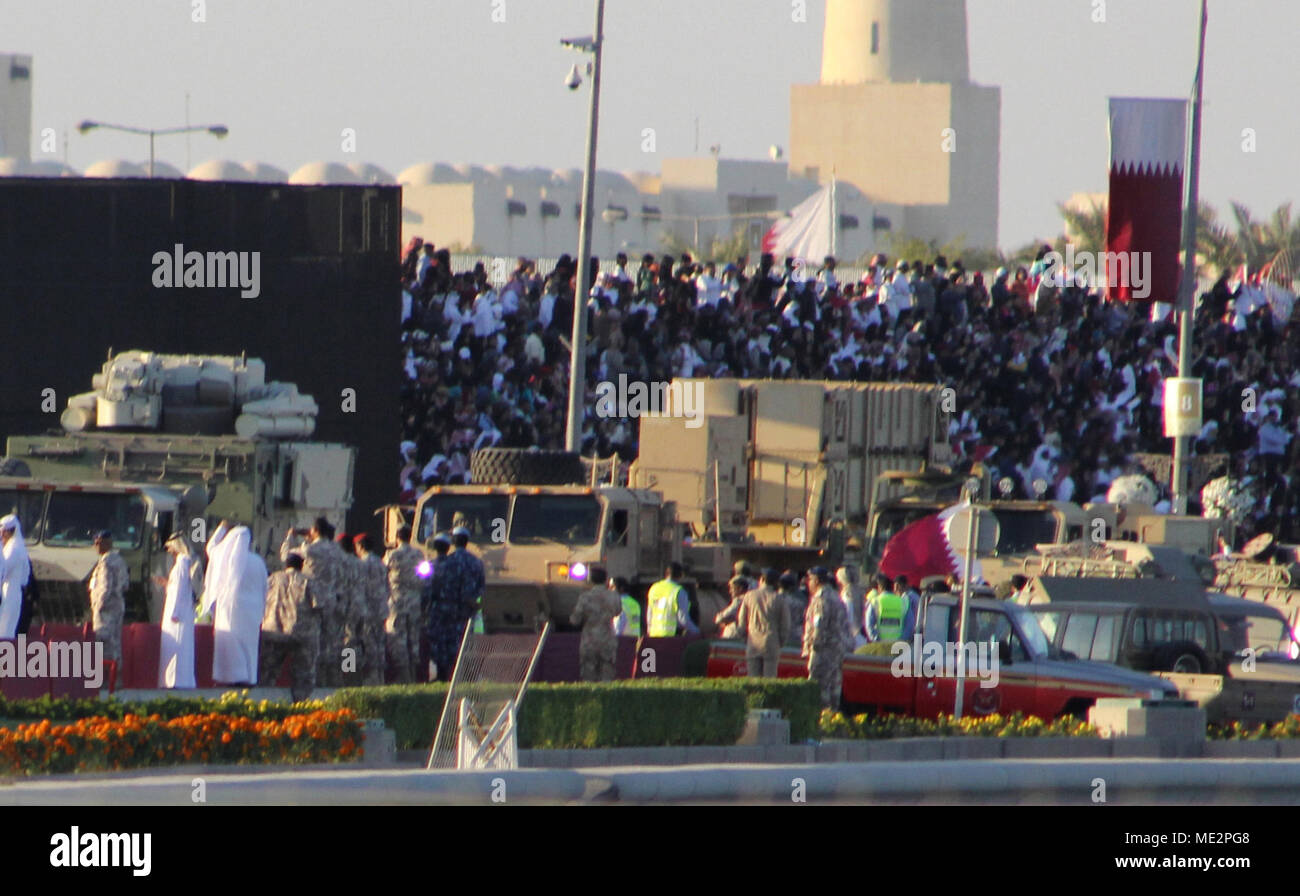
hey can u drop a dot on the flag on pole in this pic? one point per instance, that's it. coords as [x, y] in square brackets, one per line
[805, 233]
[925, 548]
[1148, 143]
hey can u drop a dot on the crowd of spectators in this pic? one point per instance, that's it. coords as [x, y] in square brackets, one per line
[1056, 388]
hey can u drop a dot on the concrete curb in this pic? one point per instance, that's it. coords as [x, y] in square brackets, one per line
[1007, 781]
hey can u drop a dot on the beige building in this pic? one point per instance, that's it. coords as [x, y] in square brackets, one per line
[897, 116]
[16, 107]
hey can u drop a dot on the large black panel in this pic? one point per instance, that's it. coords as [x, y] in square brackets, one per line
[76, 280]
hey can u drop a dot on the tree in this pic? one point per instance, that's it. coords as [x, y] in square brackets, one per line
[1087, 227]
[721, 249]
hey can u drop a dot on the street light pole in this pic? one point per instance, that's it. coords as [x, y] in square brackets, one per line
[1188, 287]
[578, 351]
[217, 130]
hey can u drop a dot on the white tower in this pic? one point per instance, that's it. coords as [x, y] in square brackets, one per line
[894, 40]
[896, 115]
[16, 107]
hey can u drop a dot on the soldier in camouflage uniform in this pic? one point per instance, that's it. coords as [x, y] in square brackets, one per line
[322, 565]
[596, 611]
[108, 583]
[351, 607]
[825, 636]
[374, 606]
[291, 627]
[404, 588]
[458, 581]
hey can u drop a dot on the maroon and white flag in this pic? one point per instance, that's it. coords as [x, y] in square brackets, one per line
[925, 548]
[1148, 145]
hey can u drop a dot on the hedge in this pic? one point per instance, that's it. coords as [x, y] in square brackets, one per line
[866, 727]
[232, 703]
[639, 713]
[103, 744]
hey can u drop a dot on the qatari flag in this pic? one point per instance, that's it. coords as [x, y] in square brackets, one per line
[1148, 143]
[924, 548]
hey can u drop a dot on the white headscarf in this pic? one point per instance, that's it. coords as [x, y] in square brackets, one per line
[230, 567]
[17, 566]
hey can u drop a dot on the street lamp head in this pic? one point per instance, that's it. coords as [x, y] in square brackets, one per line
[86, 126]
[583, 44]
[219, 130]
[574, 79]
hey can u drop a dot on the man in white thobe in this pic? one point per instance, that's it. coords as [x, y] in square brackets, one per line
[236, 593]
[14, 572]
[176, 650]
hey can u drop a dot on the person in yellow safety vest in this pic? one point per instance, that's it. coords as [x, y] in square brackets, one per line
[887, 613]
[628, 623]
[668, 606]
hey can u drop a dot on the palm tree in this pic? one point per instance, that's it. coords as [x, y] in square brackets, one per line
[1216, 244]
[1087, 227]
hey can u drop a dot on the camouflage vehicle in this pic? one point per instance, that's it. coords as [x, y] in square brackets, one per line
[779, 473]
[208, 431]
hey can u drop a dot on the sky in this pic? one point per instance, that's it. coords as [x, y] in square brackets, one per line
[481, 81]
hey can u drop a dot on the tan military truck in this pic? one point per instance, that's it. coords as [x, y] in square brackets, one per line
[209, 431]
[779, 473]
[60, 520]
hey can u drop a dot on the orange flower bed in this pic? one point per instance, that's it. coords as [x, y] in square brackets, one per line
[102, 744]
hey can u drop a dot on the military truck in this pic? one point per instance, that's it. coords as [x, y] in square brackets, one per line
[200, 437]
[776, 472]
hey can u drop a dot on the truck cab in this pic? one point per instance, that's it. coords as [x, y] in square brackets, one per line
[59, 522]
[538, 544]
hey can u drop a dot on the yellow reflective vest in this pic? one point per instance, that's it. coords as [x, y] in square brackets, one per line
[662, 609]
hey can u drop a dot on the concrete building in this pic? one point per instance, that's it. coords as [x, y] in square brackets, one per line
[535, 211]
[896, 115]
[16, 107]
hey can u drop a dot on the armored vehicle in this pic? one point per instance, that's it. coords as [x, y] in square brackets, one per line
[779, 473]
[169, 443]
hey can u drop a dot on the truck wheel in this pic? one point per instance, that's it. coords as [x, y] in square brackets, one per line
[523, 466]
[12, 466]
[1186, 658]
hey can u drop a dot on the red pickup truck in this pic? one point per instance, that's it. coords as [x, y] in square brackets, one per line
[1017, 669]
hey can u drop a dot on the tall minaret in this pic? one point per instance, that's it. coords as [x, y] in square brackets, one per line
[896, 115]
[895, 40]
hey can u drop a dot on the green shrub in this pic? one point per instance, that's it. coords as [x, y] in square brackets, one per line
[232, 703]
[643, 712]
[411, 710]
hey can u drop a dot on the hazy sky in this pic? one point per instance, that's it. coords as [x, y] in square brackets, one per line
[439, 80]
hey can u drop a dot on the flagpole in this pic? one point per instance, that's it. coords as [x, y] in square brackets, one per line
[963, 607]
[1188, 287]
[835, 218]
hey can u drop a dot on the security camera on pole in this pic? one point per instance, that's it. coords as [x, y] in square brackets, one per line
[578, 350]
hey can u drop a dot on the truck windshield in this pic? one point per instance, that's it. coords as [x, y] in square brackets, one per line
[1020, 530]
[1035, 640]
[568, 519]
[74, 518]
[27, 505]
[483, 515]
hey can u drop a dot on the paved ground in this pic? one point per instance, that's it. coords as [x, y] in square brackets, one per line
[1028, 782]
